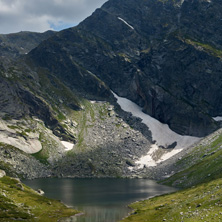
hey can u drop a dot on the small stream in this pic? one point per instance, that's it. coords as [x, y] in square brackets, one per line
[101, 200]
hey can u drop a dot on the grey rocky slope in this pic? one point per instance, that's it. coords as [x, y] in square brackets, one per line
[19, 164]
[151, 52]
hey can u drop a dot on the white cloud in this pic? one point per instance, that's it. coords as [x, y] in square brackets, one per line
[42, 15]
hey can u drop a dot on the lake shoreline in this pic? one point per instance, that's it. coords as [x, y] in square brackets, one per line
[105, 199]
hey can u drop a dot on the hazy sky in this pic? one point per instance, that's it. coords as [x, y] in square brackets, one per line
[42, 15]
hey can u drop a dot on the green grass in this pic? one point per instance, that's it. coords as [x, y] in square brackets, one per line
[52, 86]
[58, 96]
[41, 157]
[14, 127]
[85, 119]
[81, 118]
[60, 116]
[200, 203]
[8, 168]
[19, 202]
[201, 200]
[7, 117]
[203, 164]
[103, 112]
[206, 47]
[43, 154]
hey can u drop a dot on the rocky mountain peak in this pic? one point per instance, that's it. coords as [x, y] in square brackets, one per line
[156, 53]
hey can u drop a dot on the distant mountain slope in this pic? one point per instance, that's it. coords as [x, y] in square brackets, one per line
[21, 43]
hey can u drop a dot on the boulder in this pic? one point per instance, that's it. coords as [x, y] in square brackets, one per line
[40, 192]
[2, 173]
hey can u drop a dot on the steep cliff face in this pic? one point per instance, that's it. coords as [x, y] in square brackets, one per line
[164, 55]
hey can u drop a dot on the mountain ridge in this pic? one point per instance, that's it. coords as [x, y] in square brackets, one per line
[133, 53]
[67, 105]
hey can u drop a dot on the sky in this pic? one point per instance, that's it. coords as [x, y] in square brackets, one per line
[43, 15]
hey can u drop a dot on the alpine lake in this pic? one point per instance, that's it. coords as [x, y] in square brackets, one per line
[99, 200]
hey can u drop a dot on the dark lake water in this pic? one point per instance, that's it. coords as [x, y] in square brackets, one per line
[101, 200]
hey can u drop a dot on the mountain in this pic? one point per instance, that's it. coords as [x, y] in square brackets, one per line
[151, 52]
[65, 101]
[133, 91]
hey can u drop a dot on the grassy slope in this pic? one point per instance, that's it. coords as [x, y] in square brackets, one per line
[19, 202]
[200, 203]
[202, 198]
[203, 164]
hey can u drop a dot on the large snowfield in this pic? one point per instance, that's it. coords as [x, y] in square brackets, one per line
[161, 134]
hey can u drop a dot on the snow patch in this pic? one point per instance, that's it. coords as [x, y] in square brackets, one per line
[68, 146]
[166, 156]
[148, 160]
[163, 136]
[217, 118]
[126, 23]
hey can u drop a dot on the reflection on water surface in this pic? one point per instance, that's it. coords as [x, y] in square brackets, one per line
[101, 200]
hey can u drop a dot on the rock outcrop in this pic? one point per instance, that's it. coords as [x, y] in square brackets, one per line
[19, 164]
[2, 173]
